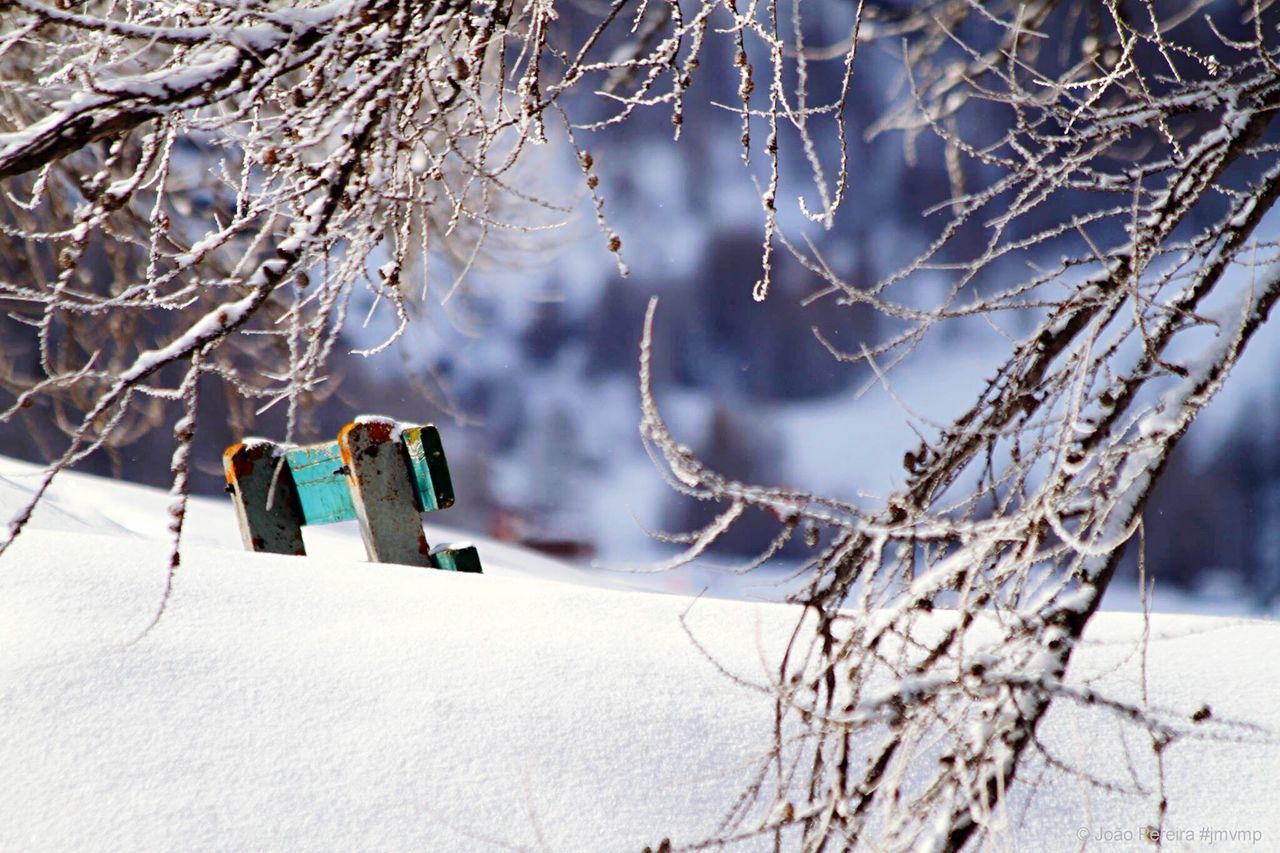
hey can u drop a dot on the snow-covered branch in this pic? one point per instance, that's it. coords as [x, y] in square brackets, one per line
[947, 616]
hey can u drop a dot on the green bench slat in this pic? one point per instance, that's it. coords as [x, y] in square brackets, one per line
[456, 558]
[321, 483]
[429, 472]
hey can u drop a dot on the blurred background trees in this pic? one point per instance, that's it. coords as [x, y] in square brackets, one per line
[550, 308]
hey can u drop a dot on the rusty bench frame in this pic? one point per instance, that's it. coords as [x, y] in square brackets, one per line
[382, 474]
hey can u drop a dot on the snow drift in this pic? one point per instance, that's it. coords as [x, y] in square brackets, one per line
[328, 703]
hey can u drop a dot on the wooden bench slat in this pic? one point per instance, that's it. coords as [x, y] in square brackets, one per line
[456, 558]
[321, 483]
[432, 485]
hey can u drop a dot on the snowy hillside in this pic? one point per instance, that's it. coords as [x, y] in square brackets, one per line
[327, 703]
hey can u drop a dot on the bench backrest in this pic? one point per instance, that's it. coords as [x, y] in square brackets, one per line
[320, 476]
[378, 473]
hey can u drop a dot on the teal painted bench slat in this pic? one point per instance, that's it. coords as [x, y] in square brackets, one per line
[458, 557]
[376, 473]
[321, 482]
[432, 486]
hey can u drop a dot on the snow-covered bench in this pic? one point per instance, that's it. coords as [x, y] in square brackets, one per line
[378, 472]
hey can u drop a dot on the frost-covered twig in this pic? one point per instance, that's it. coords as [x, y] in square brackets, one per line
[947, 617]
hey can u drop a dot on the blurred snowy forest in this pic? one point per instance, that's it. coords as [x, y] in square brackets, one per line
[531, 370]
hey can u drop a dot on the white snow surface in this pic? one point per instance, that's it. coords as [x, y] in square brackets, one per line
[326, 703]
